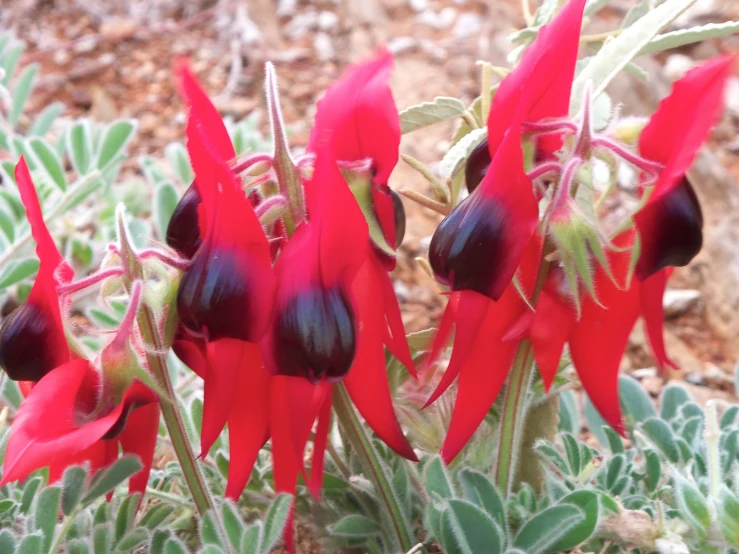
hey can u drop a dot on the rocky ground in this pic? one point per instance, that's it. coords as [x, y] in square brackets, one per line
[110, 59]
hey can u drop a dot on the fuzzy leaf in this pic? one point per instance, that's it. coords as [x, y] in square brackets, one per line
[427, 113]
[615, 469]
[662, 436]
[635, 401]
[250, 540]
[45, 514]
[132, 540]
[691, 502]
[73, 485]
[548, 527]
[653, 467]
[31, 544]
[615, 443]
[275, 521]
[466, 529]
[480, 490]
[589, 503]
[165, 202]
[614, 55]
[125, 516]
[572, 449]
[682, 37]
[437, 479]
[454, 159]
[9, 60]
[7, 541]
[174, 546]
[29, 493]
[156, 516]
[102, 536]
[115, 138]
[354, 526]
[569, 415]
[48, 160]
[109, 478]
[179, 162]
[45, 119]
[17, 271]
[21, 91]
[79, 146]
[673, 398]
[232, 523]
[158, 539]
[209, 530]
[728, 515]
[636, 12]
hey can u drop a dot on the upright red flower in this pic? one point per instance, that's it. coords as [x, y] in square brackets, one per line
[360, 119]
[64, 419]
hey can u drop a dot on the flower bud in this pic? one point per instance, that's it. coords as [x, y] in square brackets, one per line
[315, 335]
[183, 233]
[26, 345]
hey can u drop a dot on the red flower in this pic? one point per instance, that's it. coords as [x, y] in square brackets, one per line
[64, 420]
[480, 243]
[360, 119]
[32, 340]
[670, 224]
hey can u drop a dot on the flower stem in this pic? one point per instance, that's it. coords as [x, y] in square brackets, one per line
[513, 417]
[372, 466]
[172, 417]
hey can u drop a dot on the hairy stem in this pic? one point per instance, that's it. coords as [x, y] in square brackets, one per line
[372, 467]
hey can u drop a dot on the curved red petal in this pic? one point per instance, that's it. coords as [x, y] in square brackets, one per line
[191, 352]
[248, 426]
[360, 113]
[441, 338]
[227, 358]
[549, 332]
[539, 87]
[366, 381]
[140, 438]
[652, 291]
[681, 122]
[203, 110]
[598, 340]
[470, 312]
[315, 480]
[44, 431]
[382, 201]
[95, 456]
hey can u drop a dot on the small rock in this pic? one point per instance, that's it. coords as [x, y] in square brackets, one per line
[468, 25]
[324, 47]
[716, 376]
[424, 243]
[644, 372]
[397, 45]
[438, 20]
[419, 5]
[678, 301]
[401, 290]
[695, 379]
[286, 8]
[327, 21]
[678, 65]
[436, 52]
[299, 25]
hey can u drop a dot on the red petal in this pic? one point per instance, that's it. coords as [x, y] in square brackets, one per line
[95, 456]
[683, 119]
[598, 340]
[248, 426]
[483, 372]
[315, 481]
[540, 85]
[470, 312]
[441, 338]
[191, 352]
[140, 438]
[360, 113]
[203, 110]
[227, 358]
[551, 327]
[44, 430]
[652, 291]
[366, 381]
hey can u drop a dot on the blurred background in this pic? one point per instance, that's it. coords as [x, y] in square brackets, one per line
[108, 59]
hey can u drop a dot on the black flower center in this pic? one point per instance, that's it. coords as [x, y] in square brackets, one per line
[26, 349]
[183, 233]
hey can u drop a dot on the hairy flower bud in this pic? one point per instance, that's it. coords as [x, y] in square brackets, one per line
[183, 233]
[317, 335]
[26, 345]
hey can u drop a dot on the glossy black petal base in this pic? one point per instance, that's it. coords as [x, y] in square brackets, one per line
[183, 233]
[26, 353]
[315, 335]
[477, 165]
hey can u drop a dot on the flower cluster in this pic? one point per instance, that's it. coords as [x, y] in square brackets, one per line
[528, 265]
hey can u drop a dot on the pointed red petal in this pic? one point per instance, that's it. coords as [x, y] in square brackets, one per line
[248, 426]
[540, 85]
[551, 327]
[395, 340]
[470, 312]
[44, 430]
[366, 381]
[315, 481]
[227, 358]
[652, 292]
[94, 455]
[140, 438]
[203, 110]
[360, 113]
[191, 352]
[598, 340]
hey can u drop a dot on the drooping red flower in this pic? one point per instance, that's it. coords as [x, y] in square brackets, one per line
[64, 420]
[360, 119]
[670, 224]
[480, 243]
[32, 339]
